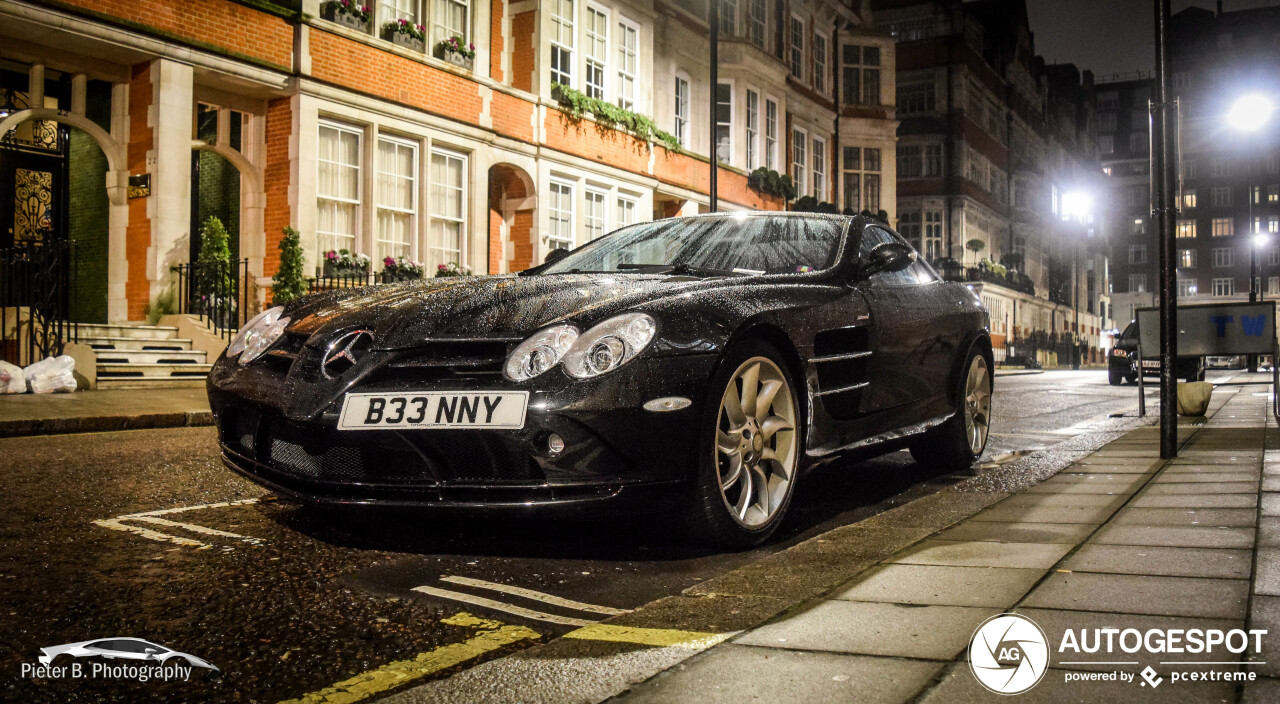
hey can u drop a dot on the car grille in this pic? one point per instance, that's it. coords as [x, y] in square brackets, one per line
[386, 457]
[444, 359]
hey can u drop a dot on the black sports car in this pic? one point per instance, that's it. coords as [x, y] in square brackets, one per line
[698, 364]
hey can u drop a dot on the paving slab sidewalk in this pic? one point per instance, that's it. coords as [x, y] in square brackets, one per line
[1173, 545]
[102, 410]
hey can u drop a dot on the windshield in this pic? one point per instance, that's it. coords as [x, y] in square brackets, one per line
[702, 246]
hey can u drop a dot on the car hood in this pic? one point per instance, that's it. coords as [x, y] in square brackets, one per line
[403, 315]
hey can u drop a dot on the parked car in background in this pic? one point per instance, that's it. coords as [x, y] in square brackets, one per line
[1122, 361]
[696, 365]
[1234, 361]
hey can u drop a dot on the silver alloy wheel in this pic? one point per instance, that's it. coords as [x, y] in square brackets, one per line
[756, 442]
[977, 404]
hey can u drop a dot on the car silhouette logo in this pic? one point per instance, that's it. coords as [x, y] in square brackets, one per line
[344, 352]
[125, 649]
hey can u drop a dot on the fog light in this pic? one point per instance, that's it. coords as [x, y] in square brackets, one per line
[667, 403]
[555, 444]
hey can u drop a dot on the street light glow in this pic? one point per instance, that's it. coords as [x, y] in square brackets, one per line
[1260, 240]
[1076, 205]
[1250, 112]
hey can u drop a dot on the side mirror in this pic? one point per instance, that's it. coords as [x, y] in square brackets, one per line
[555, 255]
[887, 257]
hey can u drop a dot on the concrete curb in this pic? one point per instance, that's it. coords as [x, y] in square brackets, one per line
[1017, 372]
[99, 424]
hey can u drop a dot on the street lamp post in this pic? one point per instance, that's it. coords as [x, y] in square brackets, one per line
[1076, 205]
[1249, 114]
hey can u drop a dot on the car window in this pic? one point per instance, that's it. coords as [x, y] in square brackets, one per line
[130, 646]
[1130, 332]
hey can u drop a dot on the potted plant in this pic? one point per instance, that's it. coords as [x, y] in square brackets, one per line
[406, 34]
[452, 269]
[343, 263]
[347, 13]
[400, 269]
[454, 52]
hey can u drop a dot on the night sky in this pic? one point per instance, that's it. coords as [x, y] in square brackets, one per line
[1106, 36]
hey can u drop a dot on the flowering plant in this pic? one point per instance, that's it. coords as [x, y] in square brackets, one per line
[344, 259]
[453, 45]
[452, 269]
[346, 7]
[402, 267]
[407, 28]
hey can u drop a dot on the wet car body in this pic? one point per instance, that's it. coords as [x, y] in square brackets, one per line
[875, 360]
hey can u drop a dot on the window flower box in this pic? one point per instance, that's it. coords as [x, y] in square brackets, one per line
[348, 14]
[406, 34]
[454, 52]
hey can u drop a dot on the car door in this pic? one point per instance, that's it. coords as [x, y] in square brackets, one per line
[914, 330]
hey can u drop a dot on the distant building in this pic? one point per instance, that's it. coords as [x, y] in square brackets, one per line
[997, 166]
[1230, 186]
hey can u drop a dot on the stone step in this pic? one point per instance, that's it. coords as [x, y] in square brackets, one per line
[135, 343]
[134, 330]
[151, 382]
[152, 371]
[127, 356]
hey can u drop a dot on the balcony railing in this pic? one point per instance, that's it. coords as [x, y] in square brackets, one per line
[952, 270]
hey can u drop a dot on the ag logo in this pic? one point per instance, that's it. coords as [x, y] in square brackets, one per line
[1008, 654]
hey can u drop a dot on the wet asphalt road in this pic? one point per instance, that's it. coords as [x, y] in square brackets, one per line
[288, 601]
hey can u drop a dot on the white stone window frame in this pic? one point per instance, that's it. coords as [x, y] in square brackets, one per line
[758, 20]
[558, 39]
[431, 245]
[818, 169]
[733, 91]
[627, 203]
[626, 99]
[555, 188]
[795, 47]
[771, 124]
[800, 159]
[327, 240]
[440, 30]
[592, 195]
[821, 65]
[589, 37]
[681, 109]
[1225, 286]
[1223, 258]
[413, 210]
[751, 126]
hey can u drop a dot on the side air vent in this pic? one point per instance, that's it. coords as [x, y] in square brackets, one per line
[841, 359]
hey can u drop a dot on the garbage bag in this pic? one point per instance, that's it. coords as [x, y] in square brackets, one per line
[11, 379]
[51, 375]
[1193, 398]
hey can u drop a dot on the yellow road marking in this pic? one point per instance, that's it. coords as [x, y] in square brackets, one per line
[659, 637]
[394, 674]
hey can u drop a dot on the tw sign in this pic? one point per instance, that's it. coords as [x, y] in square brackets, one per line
[1221, 329]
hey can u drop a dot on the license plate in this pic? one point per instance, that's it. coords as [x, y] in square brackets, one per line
[1151, 363]
[434, 410]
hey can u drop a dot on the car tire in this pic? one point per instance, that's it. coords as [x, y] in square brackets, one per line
[742, 451]
[1114, 377]
[961, 440]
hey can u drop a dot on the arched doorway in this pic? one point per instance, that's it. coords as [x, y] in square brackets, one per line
[109, 159]
[512, 206]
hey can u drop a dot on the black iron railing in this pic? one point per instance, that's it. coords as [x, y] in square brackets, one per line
[342, 280]
[216, 292]
[40, 278]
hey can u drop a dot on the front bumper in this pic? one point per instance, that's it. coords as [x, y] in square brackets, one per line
[617, 456]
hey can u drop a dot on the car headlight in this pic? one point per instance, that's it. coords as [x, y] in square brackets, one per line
[540, 352]
[261, 320]
[610, 345]
[258, 335]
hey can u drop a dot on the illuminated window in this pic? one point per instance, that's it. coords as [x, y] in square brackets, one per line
[1186, 228]
[1223, 226]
